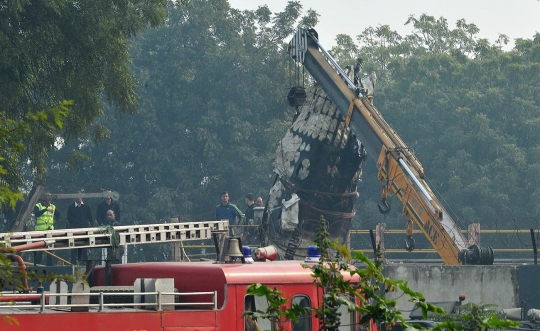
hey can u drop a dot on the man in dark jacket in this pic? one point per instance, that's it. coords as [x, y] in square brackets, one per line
[250, 202]
[79, 215]
[104, 206]
[250, 216]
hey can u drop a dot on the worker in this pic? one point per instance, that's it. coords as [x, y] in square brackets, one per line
[228, 212]
[46, 214]
[104, 206]
[79, 215]
[250, 216]
[259, 202]
[111, 218]
[114, 253]
[250, 202]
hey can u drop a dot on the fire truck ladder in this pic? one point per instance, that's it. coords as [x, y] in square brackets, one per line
[102, 237]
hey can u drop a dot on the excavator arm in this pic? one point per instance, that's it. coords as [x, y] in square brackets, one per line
[399, 171]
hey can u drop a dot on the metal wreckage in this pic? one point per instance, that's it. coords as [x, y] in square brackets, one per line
[318, 166]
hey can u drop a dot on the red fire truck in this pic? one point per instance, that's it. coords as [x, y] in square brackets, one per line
[164, 296]
[170, 296]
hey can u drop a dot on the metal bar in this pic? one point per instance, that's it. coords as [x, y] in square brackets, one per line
[373, 244]
[101, 305]
[333, 63]
[427, 250]
[199, 246]
[415, 180]
[27, 209]
[393, 250]
[58, 258]
[115, 195]
[395, 231]
[535, 251]
[95, 305]
[42, 302]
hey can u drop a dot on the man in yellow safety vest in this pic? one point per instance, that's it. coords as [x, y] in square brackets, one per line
[46, 213]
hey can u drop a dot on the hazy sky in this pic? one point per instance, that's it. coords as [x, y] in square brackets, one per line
[516, 19]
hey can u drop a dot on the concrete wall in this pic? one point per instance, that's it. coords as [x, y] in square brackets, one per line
[481, 284]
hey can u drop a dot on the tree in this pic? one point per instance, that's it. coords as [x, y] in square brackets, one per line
[52, 51]
[67, 50]
[12, 134]
[473, 317]
[13, 147]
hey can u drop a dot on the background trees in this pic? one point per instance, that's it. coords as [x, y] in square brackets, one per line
[65, 50]
[212, 90]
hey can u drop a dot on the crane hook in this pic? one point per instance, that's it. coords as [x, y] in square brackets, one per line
[386, 208]
[410, 244]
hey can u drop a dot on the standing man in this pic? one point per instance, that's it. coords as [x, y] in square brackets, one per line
[111, 218]
[46, 214]
[259, 202]
[250, 202]
[104, 206]
[79, 215]
[250, 216]
[114, 253]
[228, 211]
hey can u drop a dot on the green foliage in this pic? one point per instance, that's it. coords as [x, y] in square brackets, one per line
[7, 276]
[13, 150]
[13, 133]
[323, 239]
[58, 50]
[109, 229]
[473, 317]
[275, 312]
[365, 296]
[329, 278]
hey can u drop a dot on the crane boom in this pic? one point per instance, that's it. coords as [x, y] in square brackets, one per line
[399, 171]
